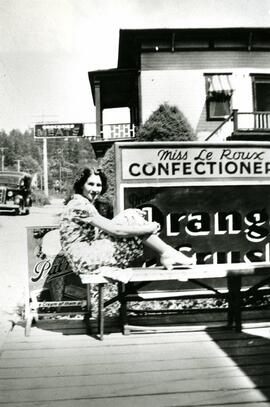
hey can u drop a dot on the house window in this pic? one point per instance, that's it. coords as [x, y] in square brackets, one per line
[219, 94]
[261, 93]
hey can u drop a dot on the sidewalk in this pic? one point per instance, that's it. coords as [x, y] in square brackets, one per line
[58, 365]
[13, 262]
[6, 326]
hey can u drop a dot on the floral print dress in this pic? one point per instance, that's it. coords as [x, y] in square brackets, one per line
[88, 248]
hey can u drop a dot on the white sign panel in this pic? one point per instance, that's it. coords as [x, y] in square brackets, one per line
[195, 162]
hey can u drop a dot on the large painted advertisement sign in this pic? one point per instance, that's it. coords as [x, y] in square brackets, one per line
[53, 287]
[217, 224]
[212, 201]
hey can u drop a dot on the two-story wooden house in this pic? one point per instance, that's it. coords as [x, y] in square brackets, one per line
[218, 77]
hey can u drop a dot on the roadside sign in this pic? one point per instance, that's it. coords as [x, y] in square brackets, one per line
[212, 200]
[57, 130]
[52, 285]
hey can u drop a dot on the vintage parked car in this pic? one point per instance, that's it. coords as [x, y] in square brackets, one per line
[15, 192]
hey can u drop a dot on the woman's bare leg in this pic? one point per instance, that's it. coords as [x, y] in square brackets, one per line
[154, 242]
[168, 255]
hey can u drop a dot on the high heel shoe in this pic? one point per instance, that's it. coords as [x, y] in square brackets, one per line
[172, 257]
[177, 257]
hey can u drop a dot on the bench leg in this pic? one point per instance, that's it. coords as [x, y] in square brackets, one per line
[238, 304]
[101, 311]
[234, 302]
[28, 325]
[123, 308]
[89, 309]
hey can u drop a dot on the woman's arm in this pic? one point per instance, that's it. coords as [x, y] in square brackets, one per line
[120, 230]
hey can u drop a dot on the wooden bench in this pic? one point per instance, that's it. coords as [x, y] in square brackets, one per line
[233, 273]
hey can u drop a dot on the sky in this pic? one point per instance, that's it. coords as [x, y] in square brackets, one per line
[47, 48]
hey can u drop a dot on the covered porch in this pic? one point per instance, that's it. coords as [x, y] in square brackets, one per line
[113, 89]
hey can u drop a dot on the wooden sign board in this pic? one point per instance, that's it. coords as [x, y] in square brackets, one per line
[52, 285]
[212, 200]
[57, 130]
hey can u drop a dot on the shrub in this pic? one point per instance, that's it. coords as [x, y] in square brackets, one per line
[166, 123]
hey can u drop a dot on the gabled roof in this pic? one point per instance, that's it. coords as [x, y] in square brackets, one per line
[131, 40]
[118, 83]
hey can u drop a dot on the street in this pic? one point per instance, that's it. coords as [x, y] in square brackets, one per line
[13, 258]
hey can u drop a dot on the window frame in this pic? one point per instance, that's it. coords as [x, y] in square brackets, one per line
[258, 78]
[211, 98]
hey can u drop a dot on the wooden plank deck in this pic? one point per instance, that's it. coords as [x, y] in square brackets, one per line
[60, 366]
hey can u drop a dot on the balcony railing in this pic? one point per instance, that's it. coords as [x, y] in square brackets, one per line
[255, 121]
[109, 132]
[241, 122]
[118, 131]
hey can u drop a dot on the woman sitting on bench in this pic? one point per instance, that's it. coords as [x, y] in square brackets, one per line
[90, 240]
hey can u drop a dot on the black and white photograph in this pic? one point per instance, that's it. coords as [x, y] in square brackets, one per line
[135, 203]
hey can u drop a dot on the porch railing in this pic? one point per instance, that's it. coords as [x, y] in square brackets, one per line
[113, 131]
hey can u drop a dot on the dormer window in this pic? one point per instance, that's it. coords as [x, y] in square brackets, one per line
[218, 96]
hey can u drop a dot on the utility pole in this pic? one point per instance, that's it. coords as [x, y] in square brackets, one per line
[19, 165]
[45, 167]
[3, 157]
[60, 153]
[45, 157]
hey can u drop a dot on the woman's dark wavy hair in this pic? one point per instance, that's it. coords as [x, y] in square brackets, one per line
[83, 176]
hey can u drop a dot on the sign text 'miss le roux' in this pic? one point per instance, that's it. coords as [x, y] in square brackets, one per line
[195, 162]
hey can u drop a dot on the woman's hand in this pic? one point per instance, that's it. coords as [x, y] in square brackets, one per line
[79, 219]
[81, 213]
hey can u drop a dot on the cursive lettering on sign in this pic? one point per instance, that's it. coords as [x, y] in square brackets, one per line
[51, 269]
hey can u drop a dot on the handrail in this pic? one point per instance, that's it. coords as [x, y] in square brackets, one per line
[220, 126]
[254, 113]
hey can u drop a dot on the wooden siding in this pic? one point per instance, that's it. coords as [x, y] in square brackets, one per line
[59, 366]
[178, 78]
[205, 60]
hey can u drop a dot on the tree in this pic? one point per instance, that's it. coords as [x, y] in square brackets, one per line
[166, 123]
[63, 155]
[109, 168]
[29, 164]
